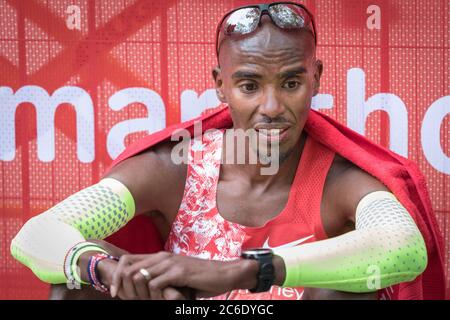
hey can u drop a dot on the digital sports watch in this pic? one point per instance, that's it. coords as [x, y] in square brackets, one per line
[266, 272]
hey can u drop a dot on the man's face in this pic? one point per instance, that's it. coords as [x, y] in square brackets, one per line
[268, 79]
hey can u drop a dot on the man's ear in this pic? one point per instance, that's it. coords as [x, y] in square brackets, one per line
[217, 75]
[317, 75]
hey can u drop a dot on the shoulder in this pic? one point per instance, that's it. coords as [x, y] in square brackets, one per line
[152, 177]
[346, 185]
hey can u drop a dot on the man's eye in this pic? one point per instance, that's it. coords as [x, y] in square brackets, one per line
[291, 84]
[249, 87]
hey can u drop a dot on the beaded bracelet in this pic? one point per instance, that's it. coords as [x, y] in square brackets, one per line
[71, 259]
[92, 271]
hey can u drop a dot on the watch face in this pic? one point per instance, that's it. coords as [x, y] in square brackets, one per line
[267, 268]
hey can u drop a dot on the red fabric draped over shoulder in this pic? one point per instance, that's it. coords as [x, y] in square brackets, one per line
[399, 174]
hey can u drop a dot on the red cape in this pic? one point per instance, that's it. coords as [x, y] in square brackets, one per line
[399, 174]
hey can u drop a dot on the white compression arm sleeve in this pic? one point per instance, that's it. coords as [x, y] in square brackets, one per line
[95, 212]
[385, 249]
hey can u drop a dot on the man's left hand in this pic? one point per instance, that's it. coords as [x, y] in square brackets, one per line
[206, 277]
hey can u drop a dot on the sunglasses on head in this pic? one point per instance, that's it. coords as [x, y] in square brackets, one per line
[245, 20]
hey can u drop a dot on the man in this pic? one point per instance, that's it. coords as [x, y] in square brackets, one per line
[331, 224]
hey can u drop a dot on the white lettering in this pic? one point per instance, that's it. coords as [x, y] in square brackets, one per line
[192, 104]
[288, 292]
[45, 106]
[358, 110]
[155, 121]
[322, 101]
[431, 137]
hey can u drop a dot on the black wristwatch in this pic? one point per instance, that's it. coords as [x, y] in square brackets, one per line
[266, 273]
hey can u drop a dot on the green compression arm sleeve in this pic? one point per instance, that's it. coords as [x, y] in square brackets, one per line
[385, 249]
[95, 212]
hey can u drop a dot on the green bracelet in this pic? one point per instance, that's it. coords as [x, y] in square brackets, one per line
[72, 260]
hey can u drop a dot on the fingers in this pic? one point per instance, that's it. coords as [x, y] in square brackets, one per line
[130, 281]
[155, 266]
[140, 283]
[128, 285]
[124, 262]
[163, 276]
[170, 293]
[155, 293]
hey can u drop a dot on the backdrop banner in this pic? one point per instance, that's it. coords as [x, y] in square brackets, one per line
[82, 79]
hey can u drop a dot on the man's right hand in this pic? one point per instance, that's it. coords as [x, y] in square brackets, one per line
[107, 267]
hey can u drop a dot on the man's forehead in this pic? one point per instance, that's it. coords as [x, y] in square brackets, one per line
[268, 46]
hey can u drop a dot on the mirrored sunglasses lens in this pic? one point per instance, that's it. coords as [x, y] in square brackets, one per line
[289, 16]
[241, 21]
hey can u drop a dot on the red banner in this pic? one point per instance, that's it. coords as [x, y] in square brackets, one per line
[81, 79]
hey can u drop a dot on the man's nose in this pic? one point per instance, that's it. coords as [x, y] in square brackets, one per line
[271, 105]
